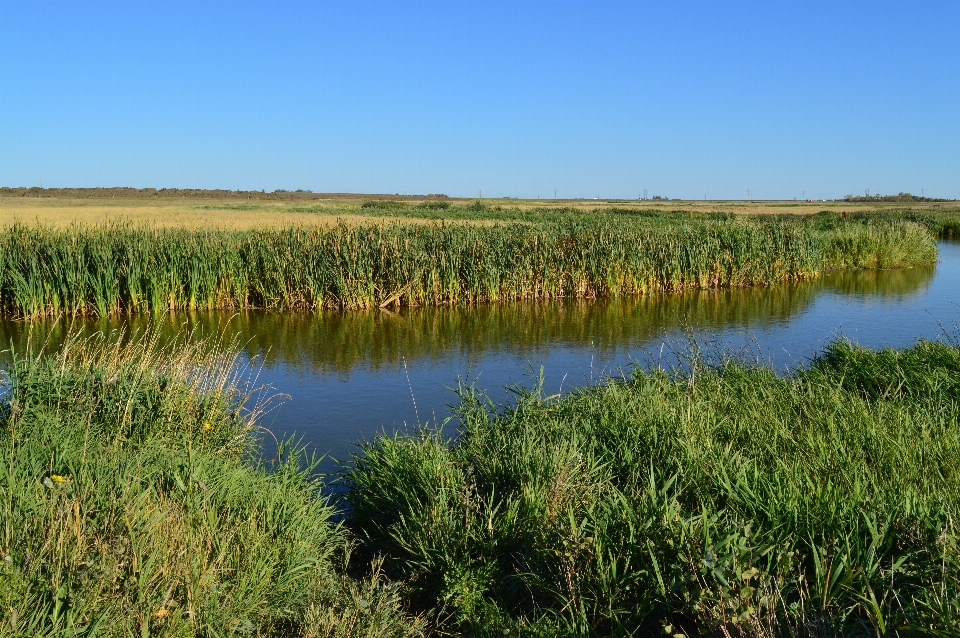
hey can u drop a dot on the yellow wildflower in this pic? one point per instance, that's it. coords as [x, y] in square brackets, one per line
[53, 480]
[207, 426]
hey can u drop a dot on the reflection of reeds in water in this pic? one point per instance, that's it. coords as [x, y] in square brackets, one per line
[340, 341]
[898, 282]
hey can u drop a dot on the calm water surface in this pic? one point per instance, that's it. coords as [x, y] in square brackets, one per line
[351, 375]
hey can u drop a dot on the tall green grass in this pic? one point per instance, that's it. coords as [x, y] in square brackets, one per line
[340, 341]
[723, 500]
[107, 270]
[720, 500]
[132, 504]
[943, 223]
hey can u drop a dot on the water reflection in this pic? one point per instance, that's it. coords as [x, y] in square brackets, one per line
[887, 283]
[337, 343]
[350, 375]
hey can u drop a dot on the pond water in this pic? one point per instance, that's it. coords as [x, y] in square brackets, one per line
[351, 375]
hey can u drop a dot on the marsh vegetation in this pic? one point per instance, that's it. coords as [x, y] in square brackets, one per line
[713, 499]
[141, 493]
[134, 501]
[106, 270]
[717, 500]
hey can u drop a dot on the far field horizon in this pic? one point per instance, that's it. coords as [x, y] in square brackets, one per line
[245, 210]
[902, 197]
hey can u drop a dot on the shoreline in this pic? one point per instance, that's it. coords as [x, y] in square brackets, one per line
[654, 490]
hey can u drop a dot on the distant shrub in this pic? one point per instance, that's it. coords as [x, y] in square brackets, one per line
[385, 204]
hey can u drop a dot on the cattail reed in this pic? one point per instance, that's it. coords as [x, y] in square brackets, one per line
[113, 269]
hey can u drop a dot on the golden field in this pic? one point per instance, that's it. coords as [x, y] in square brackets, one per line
[243, 214]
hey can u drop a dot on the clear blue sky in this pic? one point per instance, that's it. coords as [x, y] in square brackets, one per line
[516, 98]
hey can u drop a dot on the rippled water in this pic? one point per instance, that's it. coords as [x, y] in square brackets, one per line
[349, 375]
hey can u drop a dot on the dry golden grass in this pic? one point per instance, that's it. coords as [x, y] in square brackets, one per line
[200, 213]
[245, 214]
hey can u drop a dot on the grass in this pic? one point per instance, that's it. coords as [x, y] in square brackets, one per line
[243, 213]
[250, 211]
[107, 270]
[338, 342]
[720, 500]
[192, 216]
[132, 503]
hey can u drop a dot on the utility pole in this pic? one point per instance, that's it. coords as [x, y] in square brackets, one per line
[554, 193]
[644, 193]
[479, 194]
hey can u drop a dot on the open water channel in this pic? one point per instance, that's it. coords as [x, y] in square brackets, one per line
[348, 376]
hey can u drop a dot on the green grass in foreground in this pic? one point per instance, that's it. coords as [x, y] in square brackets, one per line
[726, 501]
[131, 505]
[723, 501]
[107, 270]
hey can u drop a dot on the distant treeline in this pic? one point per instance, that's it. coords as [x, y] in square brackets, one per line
[193, 193]
[899, 197]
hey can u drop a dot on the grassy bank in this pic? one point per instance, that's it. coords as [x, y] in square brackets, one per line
[723, 501]
[111, 269]
[132, 503]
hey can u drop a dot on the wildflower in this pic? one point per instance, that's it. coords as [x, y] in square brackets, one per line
[54, 479]
[163, 612]
[207, 426]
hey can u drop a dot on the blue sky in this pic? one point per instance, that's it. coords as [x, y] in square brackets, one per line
[594, 99]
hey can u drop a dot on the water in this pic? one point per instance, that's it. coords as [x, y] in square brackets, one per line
[351, 375]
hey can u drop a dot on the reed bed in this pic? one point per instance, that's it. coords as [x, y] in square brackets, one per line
[943, 223]
[341, 341]
[115, 269]
[714, 500]
[132, 503]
